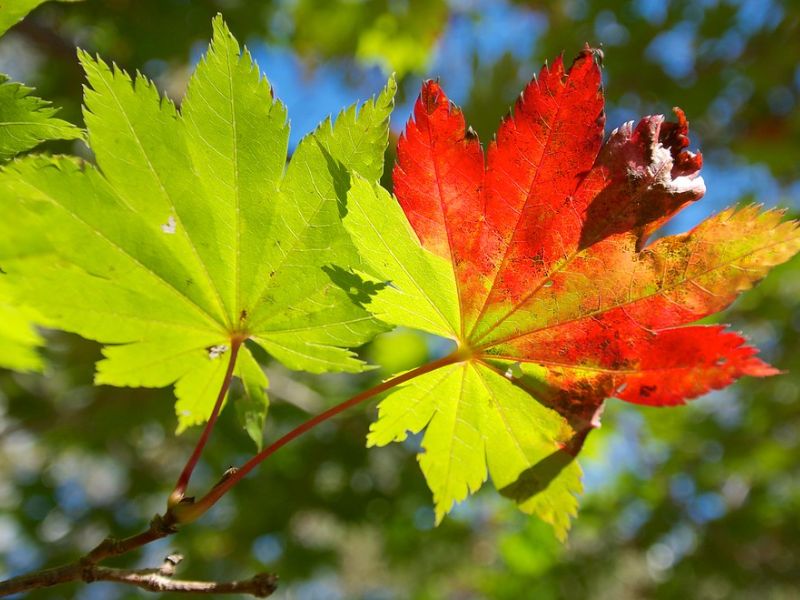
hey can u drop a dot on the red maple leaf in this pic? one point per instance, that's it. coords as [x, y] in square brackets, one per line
[534, 257]
[547, 233]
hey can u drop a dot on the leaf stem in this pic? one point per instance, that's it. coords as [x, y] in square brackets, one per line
[188, 512]
[183, 480]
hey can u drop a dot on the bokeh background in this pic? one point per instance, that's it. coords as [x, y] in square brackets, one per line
[695, 502]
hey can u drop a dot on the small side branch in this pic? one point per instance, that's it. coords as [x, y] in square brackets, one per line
[160, 580]
[41, 579]
[80, 570]
[261, 585]
[160, 527]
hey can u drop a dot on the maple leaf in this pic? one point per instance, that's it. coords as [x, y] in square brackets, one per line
[26, 121]
[12, 11]
[534, 260]
[191, 232]
[18, 339]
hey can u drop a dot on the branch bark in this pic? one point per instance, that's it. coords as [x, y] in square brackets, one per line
[87, 570]
[261, 585]
[82, 569]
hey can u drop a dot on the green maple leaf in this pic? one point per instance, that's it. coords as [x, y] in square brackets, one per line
[18, 340]
[18, 337]
[192, 232]
[26, 121]
[13, 11]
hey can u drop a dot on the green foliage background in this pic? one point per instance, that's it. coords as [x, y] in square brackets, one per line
[699, 502]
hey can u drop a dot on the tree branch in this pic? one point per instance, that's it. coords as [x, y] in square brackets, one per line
[160, 527]
[81, 570]
[261, 585]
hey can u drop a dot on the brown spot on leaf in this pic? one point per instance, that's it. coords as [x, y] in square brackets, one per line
[646, 390]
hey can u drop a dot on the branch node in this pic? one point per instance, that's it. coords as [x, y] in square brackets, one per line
[170, 564]
[88, 574]
[164, 525]
[264, 584]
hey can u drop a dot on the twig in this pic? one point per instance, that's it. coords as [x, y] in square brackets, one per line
[160, 527]
[261, 585]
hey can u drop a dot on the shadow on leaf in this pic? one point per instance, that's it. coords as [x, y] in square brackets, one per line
[359, 290]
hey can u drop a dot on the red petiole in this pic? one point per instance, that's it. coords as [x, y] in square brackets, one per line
[187, 512]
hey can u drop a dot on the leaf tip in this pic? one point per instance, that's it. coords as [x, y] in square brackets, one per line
[221, 33]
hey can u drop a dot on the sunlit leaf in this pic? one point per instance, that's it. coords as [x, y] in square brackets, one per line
[191, 233]
[534, 259]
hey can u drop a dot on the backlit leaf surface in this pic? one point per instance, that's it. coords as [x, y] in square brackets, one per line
[192, 232]
[25, 121]
[13, 11]
[18, 340]
[533, 257]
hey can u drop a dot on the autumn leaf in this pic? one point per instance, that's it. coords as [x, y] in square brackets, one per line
[191, 232]
[534, 258]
